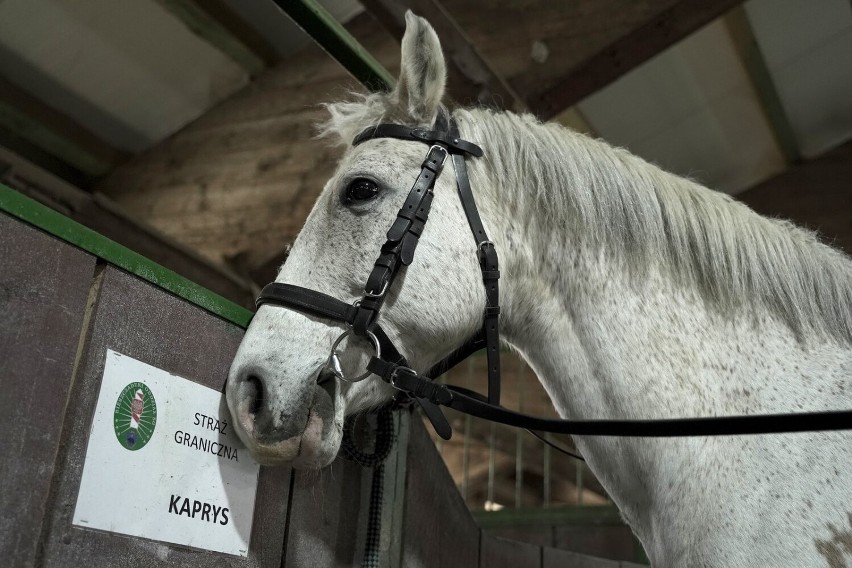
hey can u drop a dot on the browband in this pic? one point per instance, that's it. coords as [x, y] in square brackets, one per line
[451, 142]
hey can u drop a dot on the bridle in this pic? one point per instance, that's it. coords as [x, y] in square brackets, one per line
[391, 366]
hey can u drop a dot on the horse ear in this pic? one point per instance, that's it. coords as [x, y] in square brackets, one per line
[423, 72]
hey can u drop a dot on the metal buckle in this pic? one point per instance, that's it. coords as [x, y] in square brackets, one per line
[442, 149]
[381, 292]
[484, 244]
[395, 372]
[332, 364]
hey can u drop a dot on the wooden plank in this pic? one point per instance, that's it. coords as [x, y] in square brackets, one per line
[540, 536]
[325, 515]
[581, 515]
[156, 327]
[113, 224]
[240, 29]
[22, 148]
[214, 32]
[502, 553]
[749, 51]
[470, 78]
[555, 558]
[614, 542]
[54, 132]
[44, 285]
[815, 194]
[338, 43]
[438, 528]
[646, 39]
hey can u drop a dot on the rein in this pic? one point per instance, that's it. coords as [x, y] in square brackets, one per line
[387, 363]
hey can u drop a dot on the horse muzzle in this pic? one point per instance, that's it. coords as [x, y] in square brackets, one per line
[302, 430]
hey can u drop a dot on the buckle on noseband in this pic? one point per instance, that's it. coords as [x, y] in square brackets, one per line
[380, 293]
[332, 364]
[395, 372]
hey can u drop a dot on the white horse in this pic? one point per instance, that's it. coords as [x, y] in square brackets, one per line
[632, 293]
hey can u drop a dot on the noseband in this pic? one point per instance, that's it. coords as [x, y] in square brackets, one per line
[389, 364]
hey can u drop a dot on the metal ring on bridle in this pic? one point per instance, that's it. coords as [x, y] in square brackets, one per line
[483, 244]
[332, 364]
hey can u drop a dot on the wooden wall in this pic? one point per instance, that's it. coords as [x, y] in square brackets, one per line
[245, 175]
[816, 194]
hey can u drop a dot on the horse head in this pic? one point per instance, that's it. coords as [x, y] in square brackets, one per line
[286, 407]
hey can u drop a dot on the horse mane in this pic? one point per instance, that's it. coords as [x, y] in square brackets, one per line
[646, 216]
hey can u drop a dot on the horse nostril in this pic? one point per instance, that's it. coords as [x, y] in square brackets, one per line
[254, 393]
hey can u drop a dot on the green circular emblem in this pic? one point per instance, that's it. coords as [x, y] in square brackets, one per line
[135, 416]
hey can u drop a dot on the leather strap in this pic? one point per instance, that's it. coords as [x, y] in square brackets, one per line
[472, 403]
[489, 266]
[451, 142]
[402, 239]
[427, 394]
[307, 301]
[313, 303]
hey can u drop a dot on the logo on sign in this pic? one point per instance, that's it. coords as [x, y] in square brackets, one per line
[135, 416]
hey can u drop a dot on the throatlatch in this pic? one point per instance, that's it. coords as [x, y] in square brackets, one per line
[391, 366]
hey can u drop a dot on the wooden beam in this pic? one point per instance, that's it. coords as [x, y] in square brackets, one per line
[815, 194]
[25, 149]
[244, 32]
[28, 124]
[470, 78]
[745, 42]
[101, 214]
[646, 40]
[338, 43]
[220, 36]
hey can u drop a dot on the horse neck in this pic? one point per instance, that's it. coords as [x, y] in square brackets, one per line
[607, 344]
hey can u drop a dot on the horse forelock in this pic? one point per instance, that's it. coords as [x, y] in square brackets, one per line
[346, 119]
[644, 215]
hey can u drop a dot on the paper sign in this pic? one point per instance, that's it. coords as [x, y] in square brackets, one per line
[163, 462]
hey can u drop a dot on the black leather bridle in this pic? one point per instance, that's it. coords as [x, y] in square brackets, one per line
[391, 366]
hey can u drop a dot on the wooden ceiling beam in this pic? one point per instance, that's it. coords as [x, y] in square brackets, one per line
[647, 39]
[337, 42]
[52, 139]
[218, 26]
[752, 58]
[470, 78]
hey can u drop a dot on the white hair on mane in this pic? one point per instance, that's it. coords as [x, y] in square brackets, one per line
[645, 215]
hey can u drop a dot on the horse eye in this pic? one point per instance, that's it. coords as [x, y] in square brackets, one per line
[361, 190]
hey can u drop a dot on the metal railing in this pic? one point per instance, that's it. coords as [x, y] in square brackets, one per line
[495, 466]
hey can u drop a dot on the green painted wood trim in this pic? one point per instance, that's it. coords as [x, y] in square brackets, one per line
[338, 43]
[556, 516]
[60, 226]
